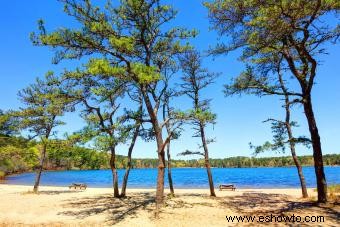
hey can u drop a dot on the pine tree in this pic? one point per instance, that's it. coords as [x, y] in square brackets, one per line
[294, 29]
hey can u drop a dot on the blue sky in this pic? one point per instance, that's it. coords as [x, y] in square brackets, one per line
[239, 118]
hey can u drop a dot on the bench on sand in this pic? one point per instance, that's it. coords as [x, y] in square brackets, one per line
[78, 185]
[227, 186]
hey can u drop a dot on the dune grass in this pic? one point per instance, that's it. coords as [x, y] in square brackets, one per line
[333, 193]
[335, 188]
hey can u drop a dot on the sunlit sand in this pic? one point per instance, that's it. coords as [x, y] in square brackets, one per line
[59, 206]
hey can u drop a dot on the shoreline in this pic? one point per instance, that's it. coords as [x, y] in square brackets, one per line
[25, 189]
[3, 182]
[294, 192]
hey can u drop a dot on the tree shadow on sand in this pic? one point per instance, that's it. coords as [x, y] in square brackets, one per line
[116, 209]
[57, 192]
[254, 202]
[262, 204]
[179, 202]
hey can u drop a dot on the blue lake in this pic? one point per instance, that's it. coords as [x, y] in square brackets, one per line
[276, 177]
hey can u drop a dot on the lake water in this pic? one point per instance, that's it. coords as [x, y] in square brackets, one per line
[276, 177]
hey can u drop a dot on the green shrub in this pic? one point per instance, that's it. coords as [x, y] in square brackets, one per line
[16, 159]
[2, 175]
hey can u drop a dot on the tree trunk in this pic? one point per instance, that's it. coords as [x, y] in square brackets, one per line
[126, 176]
[160, 150]
[40, 169]
[301, 176]
[207, 162]
[127, 171]
[211, 183]
[317, 152]
[292, 142]
[160, 175]
[172, 191]
[297, 162]
[306, 87]
[166, 108]
[114, 172]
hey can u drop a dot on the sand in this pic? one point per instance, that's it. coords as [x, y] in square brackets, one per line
[58, 206]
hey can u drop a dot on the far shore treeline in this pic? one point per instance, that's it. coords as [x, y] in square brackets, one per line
[19, 155]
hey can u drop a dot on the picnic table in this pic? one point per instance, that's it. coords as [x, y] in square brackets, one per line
[227, 187]
[78, 185]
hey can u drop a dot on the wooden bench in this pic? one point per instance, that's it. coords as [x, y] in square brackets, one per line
[77, 185]
[227, 187]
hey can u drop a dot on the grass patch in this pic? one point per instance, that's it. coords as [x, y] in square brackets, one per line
[29, 192]
[334, 192]
[170, 196]
[335, 188]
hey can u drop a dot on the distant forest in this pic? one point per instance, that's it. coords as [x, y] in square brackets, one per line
[20, 155]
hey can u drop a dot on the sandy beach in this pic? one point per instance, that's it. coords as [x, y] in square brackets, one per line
[58, 206]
